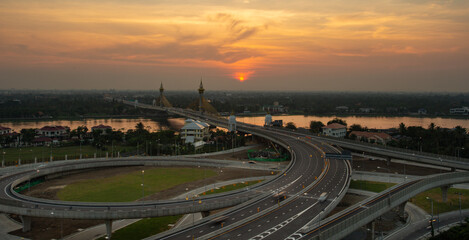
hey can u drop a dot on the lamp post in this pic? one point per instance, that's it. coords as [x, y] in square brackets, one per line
[143, 186]
[460, 213]
[431, 220]
[389, 173]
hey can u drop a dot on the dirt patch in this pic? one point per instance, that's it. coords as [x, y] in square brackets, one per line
[48, 228]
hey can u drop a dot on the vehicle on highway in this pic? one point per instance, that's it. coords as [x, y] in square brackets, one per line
[252, 162]
[322, 197]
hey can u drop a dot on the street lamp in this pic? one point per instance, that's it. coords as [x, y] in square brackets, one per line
[460, 213]
[431, 220]
[389, 173]
[143, 187]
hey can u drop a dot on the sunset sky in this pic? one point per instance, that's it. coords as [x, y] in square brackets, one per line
[305, 45]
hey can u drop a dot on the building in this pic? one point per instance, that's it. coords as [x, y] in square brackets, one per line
[372, 137]
[268, 120]
[232, 123]
[422, 111]
[5, 130]
[341, 109]
[459, 111]
[276, 108]
[366, 110]
[53, 131]
[194, 132]
[334, 130]
[102, 128]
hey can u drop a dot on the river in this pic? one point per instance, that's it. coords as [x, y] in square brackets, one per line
[300, 121]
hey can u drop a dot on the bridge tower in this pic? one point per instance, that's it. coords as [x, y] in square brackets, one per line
[201, 95]
[161, 94]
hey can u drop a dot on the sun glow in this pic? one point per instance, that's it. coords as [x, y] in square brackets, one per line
[242, 76]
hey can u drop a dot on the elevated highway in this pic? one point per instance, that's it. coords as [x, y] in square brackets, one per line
[308, 173]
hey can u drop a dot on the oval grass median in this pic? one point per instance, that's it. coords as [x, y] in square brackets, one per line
[128, 187]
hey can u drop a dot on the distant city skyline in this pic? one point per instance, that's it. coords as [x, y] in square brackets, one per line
[338, 45]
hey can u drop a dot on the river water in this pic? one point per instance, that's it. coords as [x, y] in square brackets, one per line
[300, 121]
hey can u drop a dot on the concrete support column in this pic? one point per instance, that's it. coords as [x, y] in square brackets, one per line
[118, 154]
[81, 156]
[94, 155]
[51, 158]
[388, 161]
[3, 163]
[35, 159]
[373, 230]
[26, 220]
[66, 157]
[401, 209]
[107, 154]
[19, 161]
[444, 193]
[109, 228]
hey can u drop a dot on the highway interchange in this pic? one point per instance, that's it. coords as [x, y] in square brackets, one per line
[261, 215]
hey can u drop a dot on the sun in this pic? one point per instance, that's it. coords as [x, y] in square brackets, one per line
[242, 76]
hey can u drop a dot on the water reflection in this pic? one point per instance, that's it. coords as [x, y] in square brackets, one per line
[125, 124]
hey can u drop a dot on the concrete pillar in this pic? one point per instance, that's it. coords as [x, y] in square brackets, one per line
[205, 214]
[444, 193]
[3, 163]
[401, 209]
[35, 159]
[118, 154]
[81, 156]
[66, 157]
[107, 154]
[109, 228]
[388, 161]
[26, 220]
[94, 155]
[373, 230]
[19, 161]
[51, 158]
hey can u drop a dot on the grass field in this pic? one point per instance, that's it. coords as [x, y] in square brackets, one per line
[370, 185]
[451, 204]
[144, 228]
[151, 226]
[27, 154]
[127, 187]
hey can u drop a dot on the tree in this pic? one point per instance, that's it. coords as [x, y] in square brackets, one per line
[28, 134]
[357, 127]
[290, 125]
[316, 126]
[402, 128]
[337, 120]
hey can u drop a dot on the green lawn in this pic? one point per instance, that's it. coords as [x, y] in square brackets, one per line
[27, 154]
[151, 226]
[144, 228]
[451, 204]
[127, 187]
[370, 185]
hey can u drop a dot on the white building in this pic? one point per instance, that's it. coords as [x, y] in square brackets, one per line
[232, 123]
[4, 130]
[334, 130]
[194, 132]
[53, 131]
[268, 120]
[459, 111]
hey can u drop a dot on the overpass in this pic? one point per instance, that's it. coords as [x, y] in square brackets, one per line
[308, 172]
